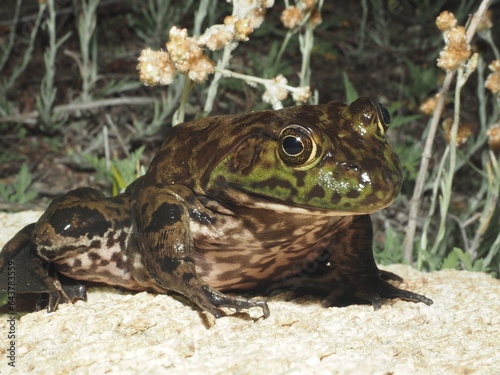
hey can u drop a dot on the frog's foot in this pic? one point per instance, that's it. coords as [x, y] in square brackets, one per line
[59, 289]
[54, 292]
[216, 299]
[389, 291]
[374, 290]
[344, 290]
[73, 289]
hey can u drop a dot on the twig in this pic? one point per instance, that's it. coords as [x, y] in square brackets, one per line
[12, 36]
[119, 138]
[426, 156]
[31, 117]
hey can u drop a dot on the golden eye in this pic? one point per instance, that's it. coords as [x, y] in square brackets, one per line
[296, 146]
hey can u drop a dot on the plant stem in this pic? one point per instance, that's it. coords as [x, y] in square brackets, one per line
[253, 79]
[448, 176]
[214, 85]
[489, 204]
[27, 55]
[419, 184]
[12, 36]
[288, 35]
[200, 16]
[86, 27]
[181, 111]
[306, 46]
[47, 95]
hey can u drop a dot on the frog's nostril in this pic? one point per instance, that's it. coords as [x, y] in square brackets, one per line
[385, 114]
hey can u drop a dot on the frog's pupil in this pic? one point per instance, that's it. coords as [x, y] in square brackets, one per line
[292, 145]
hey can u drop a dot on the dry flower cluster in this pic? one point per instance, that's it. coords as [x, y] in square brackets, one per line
[456, 50]
[456, 55]
[277, 90]
[294, 16]
[429, 106]
[485, 23]
[493, 134]
[493, 80]
[463, 131]
[186, 55]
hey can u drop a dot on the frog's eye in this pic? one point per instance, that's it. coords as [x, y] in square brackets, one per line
[385, 114]
[296, 146]
[386, 119]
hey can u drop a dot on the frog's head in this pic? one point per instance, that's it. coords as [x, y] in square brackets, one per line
[333, 158]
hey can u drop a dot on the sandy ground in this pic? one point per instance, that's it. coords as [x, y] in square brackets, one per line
[119, 332]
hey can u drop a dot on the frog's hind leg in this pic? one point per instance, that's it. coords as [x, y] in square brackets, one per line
[22, 272]
[16, 244]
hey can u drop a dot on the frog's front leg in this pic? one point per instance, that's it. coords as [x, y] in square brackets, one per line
[347, 271]
[166, 251]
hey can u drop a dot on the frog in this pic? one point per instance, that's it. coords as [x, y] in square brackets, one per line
[264, 201]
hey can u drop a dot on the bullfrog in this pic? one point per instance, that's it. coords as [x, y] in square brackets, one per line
[270, 200]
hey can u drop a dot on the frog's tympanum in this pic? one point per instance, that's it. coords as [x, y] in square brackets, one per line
[271, 200]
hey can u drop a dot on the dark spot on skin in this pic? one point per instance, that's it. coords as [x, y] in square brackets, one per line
[111, 239]
[122, 240]
[300, 175]
[316, 192]
[117, 258]
[165, 215]
[187, 277]
[96, 244]
[336, 198]
[93, 256]
[104, 262]
[77, 263]
[79, 221]
[352, 194]
[275, 182]
[370, 200]
[169, 265]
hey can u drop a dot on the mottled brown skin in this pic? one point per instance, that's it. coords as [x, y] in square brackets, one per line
[269, 200]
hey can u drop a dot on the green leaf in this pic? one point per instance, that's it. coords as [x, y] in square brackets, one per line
[350, 92]
[451, 261]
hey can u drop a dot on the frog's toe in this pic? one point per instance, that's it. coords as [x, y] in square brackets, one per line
[218, 299]
[381, 290]
[73, 289]
[373, 291]
[386, 275]
[389, 291]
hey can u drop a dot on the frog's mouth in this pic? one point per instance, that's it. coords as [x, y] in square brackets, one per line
[243, 198]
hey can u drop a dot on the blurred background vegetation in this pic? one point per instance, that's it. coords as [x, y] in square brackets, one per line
[74, 113]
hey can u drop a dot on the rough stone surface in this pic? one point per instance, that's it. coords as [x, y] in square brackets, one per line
[126, 333]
